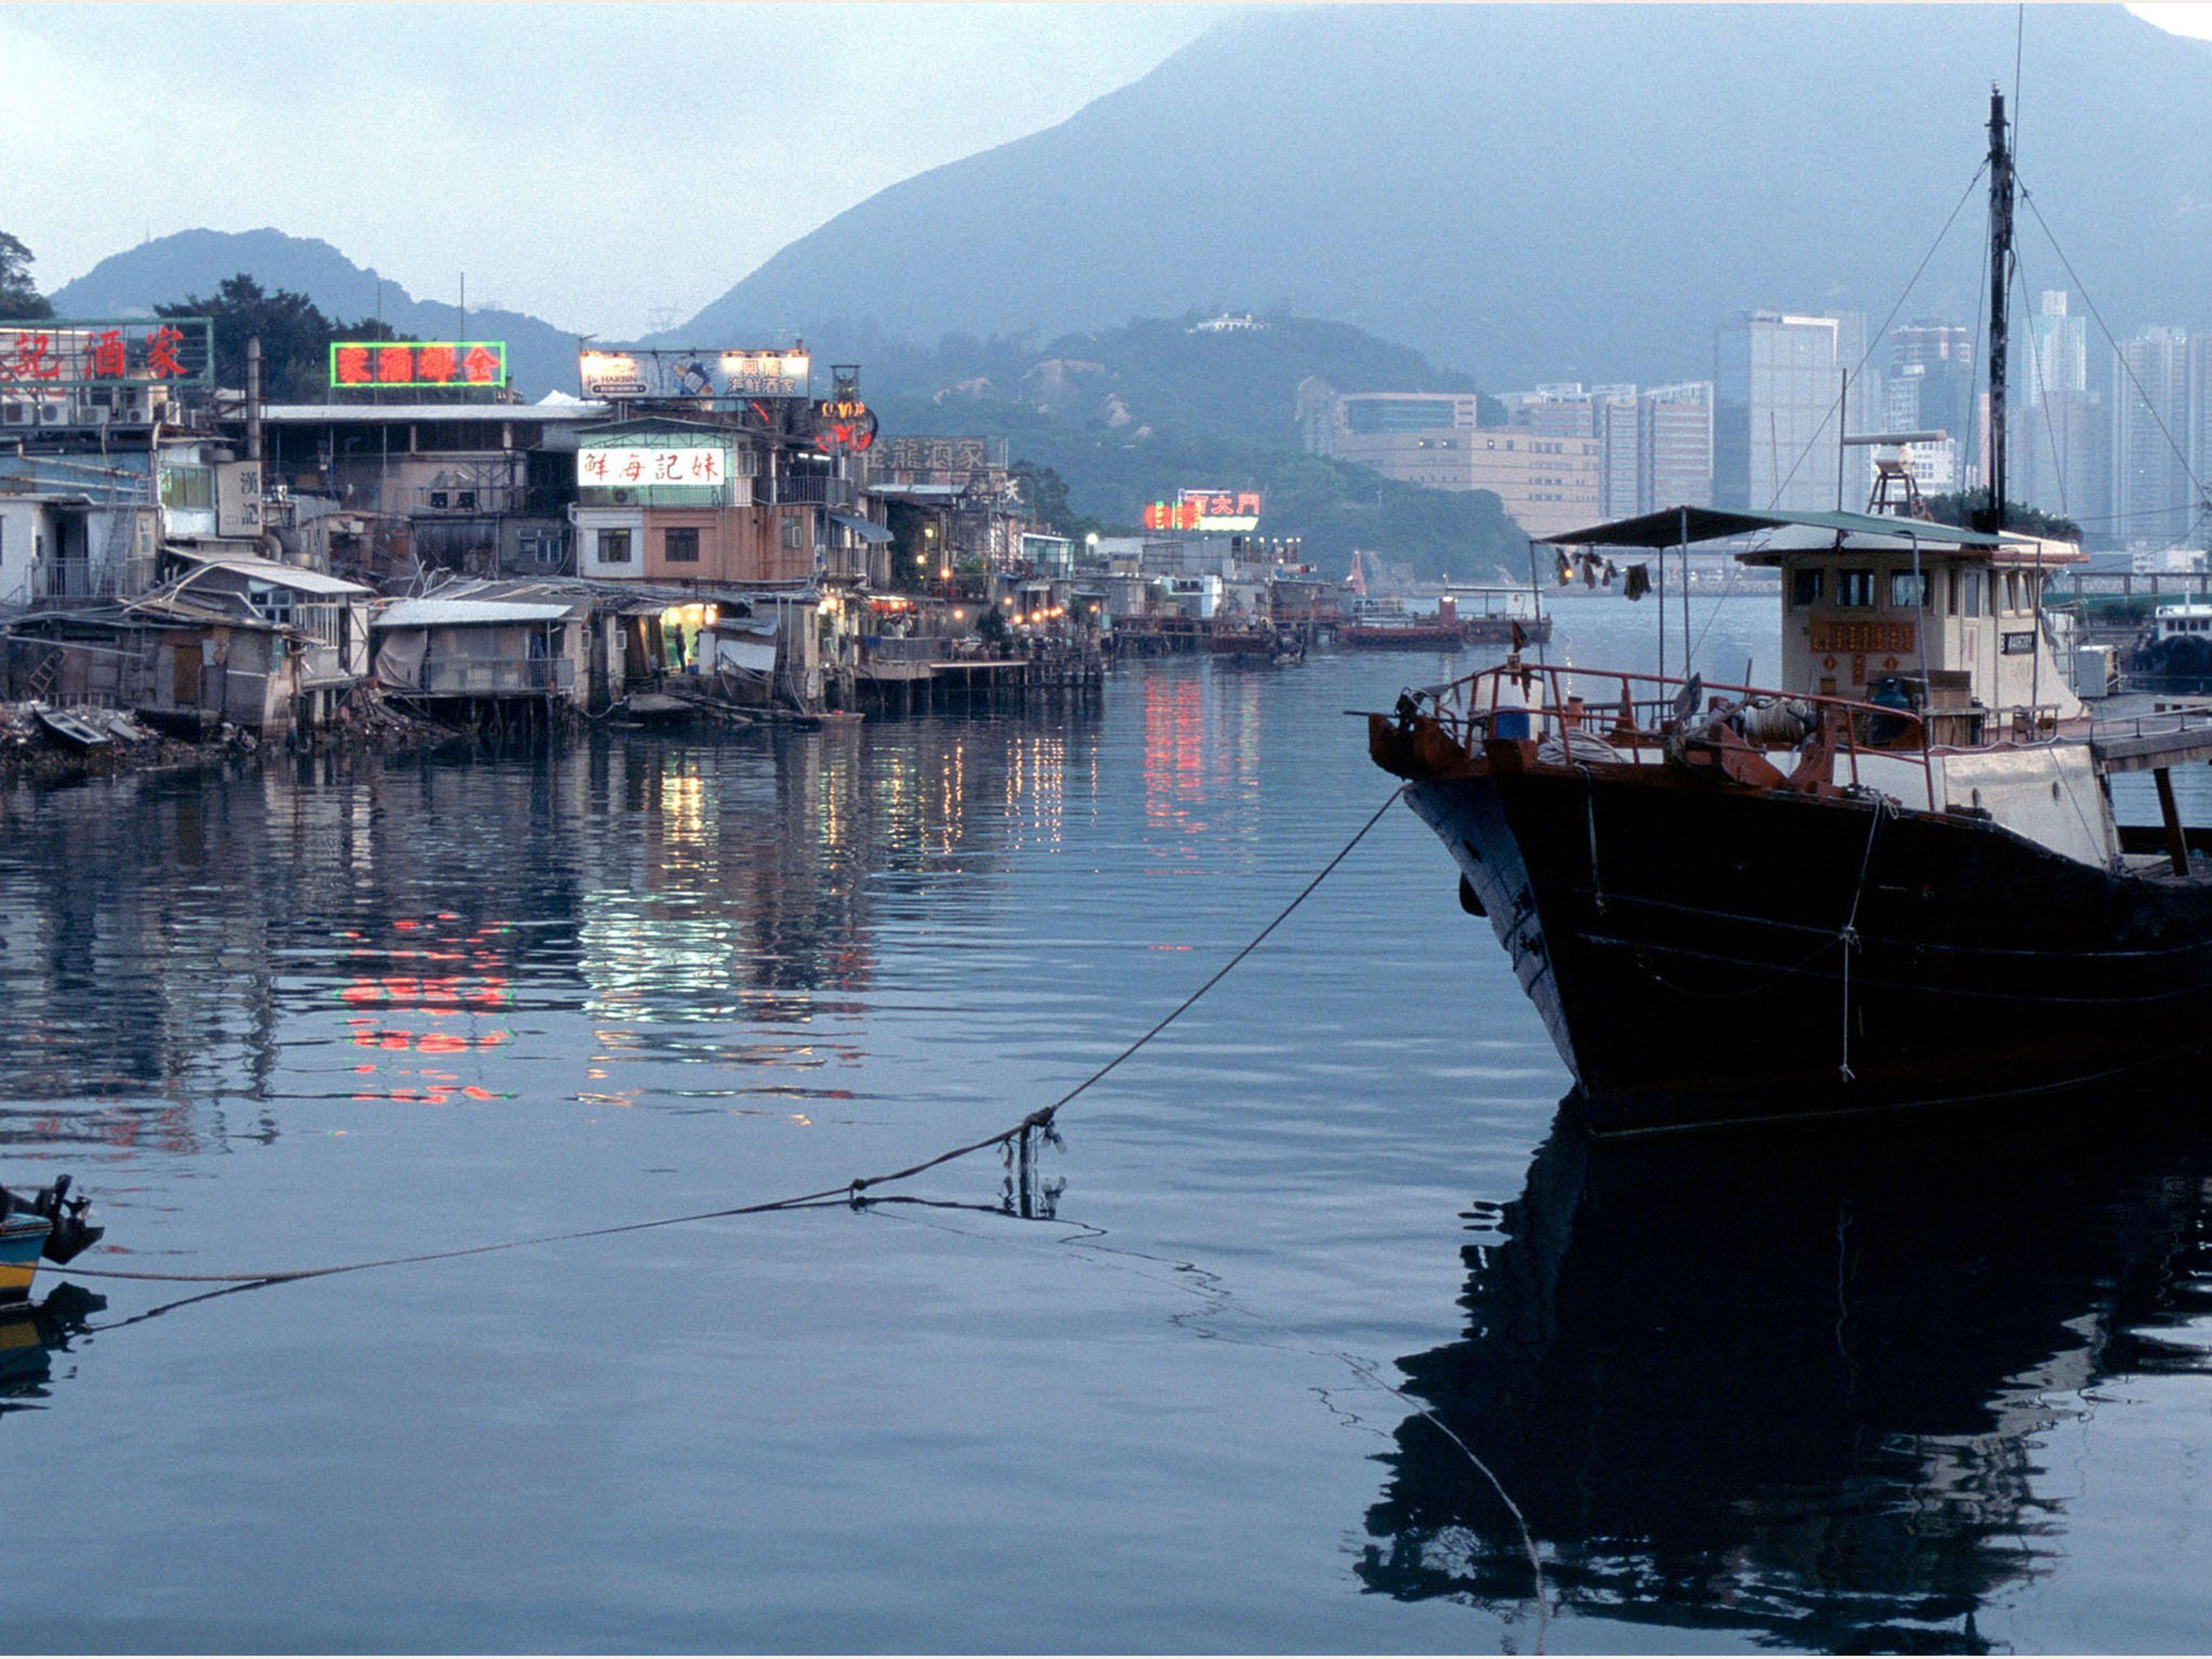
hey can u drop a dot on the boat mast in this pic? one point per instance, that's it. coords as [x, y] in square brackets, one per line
[1991, 519]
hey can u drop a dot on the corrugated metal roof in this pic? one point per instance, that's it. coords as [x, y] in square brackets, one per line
[448, 613]
[869, 530]
[1672, 527]
[269, 570]
[368, 414]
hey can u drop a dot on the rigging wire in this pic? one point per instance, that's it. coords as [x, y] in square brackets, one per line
[1728, 586]
[853, 1192]
[2118, 355]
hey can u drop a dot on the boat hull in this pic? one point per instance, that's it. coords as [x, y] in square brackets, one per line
[21, 1237]
[1704, 954]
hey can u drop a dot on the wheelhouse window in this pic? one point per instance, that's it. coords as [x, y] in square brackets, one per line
[1854, 589]
[1806, 584]
[1909, 590]
[1966, 593]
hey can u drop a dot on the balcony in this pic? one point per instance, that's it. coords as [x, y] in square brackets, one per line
[807, 490]
[492, 676]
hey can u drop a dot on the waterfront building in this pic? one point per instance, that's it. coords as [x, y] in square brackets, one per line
[481, 488]
[1547, 484]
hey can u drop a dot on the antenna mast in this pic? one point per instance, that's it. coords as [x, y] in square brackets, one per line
[1992, 518]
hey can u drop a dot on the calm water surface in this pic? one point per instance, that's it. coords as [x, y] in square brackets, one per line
[1933, 1386]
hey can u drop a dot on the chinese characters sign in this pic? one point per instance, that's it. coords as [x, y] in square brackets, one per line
[364, 365]
[642, 466]
[1891, 638]
[908, 454]
[1205, 510]
[50, 356]
[690, 374]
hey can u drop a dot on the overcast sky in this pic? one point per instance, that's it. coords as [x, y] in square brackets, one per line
[601, 166]
[609, 168]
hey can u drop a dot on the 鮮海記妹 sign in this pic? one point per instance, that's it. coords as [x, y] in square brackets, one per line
[641, 466]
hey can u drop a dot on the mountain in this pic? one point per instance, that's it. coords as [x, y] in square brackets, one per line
[1233, 376]
[1545, 192]
[1131, 415]
[540, 357]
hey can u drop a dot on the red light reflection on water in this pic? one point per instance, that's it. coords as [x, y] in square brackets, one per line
[446, 976]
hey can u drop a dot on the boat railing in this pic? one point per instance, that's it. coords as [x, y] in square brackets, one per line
[1630, 719]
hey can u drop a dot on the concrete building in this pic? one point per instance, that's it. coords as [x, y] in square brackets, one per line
[1776, 435]
[2153, 503]
[1547, 483]
[1674, 446]
[480, 489]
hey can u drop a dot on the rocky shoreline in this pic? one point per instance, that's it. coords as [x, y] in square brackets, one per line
[29, 753]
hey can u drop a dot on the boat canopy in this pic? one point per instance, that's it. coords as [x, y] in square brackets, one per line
[1676, 526]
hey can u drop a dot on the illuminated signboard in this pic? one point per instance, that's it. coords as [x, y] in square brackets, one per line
[844, 424]
[48, 357]
[370, 363]
[640, 466]
[690, 374]
[1205, 510]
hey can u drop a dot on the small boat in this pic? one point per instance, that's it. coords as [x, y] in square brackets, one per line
[72, 731]
[48, 1223]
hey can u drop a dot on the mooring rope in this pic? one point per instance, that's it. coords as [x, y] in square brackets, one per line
[852, 1192]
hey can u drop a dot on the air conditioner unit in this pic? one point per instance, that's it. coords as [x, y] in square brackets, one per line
[53, 414]
[622, 497]
[17, 414]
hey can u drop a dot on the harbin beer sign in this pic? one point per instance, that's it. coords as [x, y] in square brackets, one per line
[55, 356]
[366, 364]
[674, 375]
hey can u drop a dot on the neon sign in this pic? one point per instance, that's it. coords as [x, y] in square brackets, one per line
[1205, 510]
[50, 356]
[364, 365]
[844, 422]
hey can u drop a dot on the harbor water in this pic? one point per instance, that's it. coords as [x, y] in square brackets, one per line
[1253, 1359]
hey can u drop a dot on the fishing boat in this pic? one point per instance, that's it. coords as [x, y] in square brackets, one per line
[1893, 879]
[1386, 625]
[1498, 616]
[48, 1223]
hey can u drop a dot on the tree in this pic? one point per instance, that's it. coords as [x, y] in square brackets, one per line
[1960, 510]
[296, 337]
[19, 301]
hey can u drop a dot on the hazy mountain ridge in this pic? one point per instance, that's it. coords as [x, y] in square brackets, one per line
[1540, 193]
[541, 357]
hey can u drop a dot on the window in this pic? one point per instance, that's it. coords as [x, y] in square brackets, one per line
[1806, 585]
[680, 546]
[272, 604]
[439, 498]
[794, 532]
[1970, 593]
[1908, 590]
[187, 487]
[2012, 590]
[465, 498]
[614, 547]
[539, 546]
[1855, 588]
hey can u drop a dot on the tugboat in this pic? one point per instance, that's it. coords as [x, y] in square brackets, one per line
[1894, 881]
[49, 1223]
